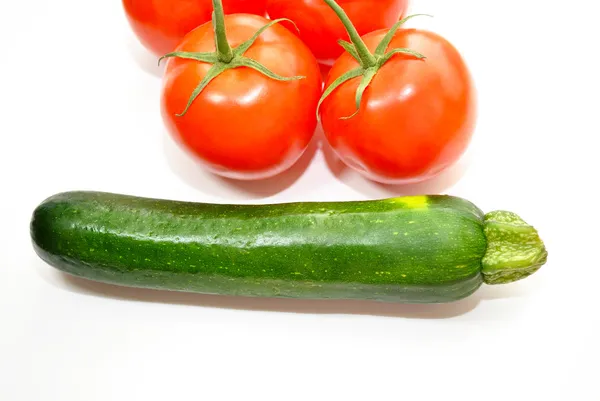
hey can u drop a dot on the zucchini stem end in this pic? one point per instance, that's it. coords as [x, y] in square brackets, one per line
[515, 249]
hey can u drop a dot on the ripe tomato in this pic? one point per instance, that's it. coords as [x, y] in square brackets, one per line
[161, 24]
[416, 118]
[320, 29]
[244, 125]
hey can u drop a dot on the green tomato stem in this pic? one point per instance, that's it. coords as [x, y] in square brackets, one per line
[366, 59]
[224, 51]
[369, 63]
[226, 58]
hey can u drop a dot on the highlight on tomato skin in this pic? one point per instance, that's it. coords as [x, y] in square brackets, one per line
[244, 125]
[161, 24]
[320, 29]
[416, 118]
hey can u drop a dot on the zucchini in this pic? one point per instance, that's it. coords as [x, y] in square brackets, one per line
[416, 249]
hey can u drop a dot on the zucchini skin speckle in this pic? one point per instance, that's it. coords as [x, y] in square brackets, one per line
[425, 249]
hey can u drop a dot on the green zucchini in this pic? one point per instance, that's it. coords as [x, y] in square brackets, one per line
[417, 249]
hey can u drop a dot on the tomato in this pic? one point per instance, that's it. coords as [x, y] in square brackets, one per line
[320, 29]
[161, 24]
[416, 117]
[244, 125]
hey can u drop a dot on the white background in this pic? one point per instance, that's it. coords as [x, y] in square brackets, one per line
[79, 110]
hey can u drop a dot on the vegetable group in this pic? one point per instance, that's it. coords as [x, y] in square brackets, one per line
[161, 24]
[242, 94]
[420, 249]
[320, 29]
[399, 105]
[245, 106]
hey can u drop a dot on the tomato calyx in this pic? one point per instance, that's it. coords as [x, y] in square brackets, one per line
[370, 63]
[225, 57]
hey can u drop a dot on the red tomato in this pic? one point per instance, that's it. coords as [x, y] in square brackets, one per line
[161, 24]
[320, 28]
[244, 125]
[415, 119]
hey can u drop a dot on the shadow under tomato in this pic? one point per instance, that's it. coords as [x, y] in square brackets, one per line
[144, 59]
[435, 185]
[190, 170]
[325, 68]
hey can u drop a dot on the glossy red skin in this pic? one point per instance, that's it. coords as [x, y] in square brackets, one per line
[161, 24]
[320, 28]
[245, 125]
[416, 118]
